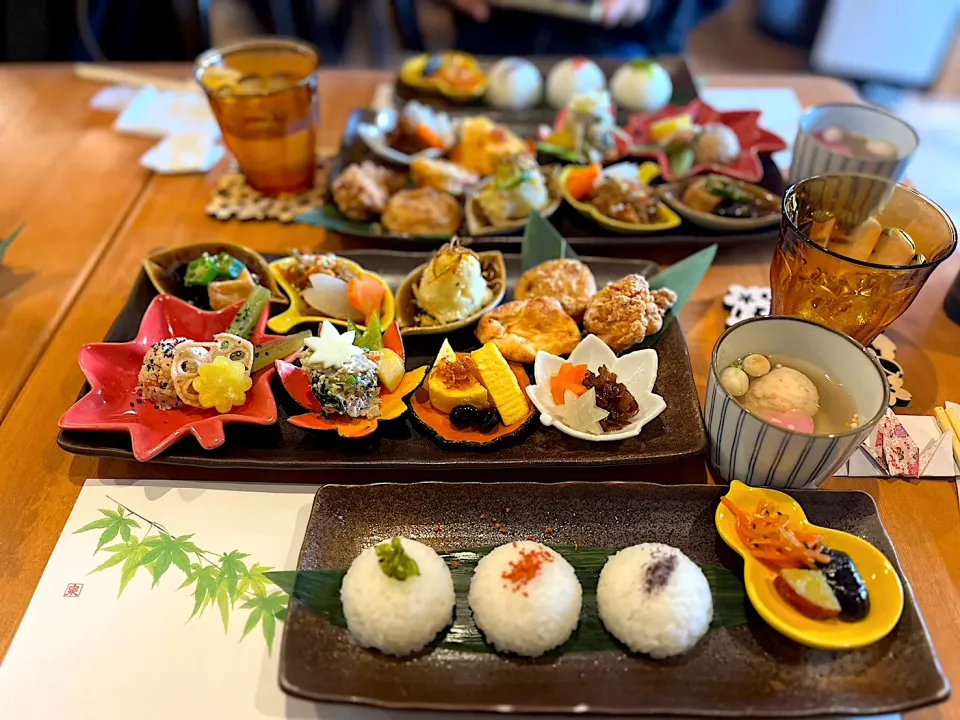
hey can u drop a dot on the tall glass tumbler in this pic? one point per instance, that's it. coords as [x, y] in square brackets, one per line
[842, 259]
[263, 93]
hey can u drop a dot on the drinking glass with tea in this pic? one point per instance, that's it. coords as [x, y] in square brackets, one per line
[855, 250]
[263, 93]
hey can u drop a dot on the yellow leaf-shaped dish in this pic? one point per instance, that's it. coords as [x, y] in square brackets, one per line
[883, 583]
[300, 312]
[667, 219]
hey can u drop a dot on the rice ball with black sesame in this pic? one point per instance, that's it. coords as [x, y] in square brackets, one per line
[655, 600]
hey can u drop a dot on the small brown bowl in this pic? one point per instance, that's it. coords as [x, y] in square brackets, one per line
[494, 270]
[158, 267]
[672, 195]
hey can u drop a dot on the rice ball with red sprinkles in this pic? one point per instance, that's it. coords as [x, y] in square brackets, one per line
[655, 600]
[525, 598]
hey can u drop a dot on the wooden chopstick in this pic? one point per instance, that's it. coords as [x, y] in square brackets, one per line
[948, 420]
[112, 75]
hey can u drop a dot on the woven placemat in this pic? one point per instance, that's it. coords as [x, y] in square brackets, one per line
[234, 199]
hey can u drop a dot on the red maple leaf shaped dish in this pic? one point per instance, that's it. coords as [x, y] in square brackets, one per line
[112, 370]
[744, 123]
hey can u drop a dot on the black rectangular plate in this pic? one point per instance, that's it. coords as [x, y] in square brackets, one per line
[749, 670]
[677, 435]
[684, 90]
[580, 231]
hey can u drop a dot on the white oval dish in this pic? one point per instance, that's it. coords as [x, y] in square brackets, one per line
[637, 370]
[374, 135]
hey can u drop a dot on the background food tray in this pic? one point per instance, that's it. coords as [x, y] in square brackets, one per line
[675, 437]
[749, 670]
[580, 231]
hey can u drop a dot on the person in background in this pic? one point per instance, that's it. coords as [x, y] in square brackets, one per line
[631, 29]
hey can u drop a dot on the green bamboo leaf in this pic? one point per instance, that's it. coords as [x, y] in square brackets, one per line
[223, 601]
[319, 592]
[683, 278]
[269, 630]
[5, 243]
[252, 621]
[542, 242]
[95, 525]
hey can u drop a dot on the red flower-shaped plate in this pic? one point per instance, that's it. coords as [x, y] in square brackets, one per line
[112, 370]
[744, 123]
[297, 384]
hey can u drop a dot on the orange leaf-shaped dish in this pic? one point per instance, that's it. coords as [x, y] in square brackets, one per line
[297, 384]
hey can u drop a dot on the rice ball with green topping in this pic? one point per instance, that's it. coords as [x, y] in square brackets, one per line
[525, 598]
[655, 600]
[397, 596]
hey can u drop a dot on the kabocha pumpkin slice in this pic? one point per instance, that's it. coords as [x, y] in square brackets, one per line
[455, 406]
[501, 383]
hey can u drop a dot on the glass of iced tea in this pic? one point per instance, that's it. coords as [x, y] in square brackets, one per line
[263, 92]
[855, 250]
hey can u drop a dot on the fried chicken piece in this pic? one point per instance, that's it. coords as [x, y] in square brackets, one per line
[442, 175]
[522, 327]
[625, 312]
[361, 191]
[423, 211]
[569, 281]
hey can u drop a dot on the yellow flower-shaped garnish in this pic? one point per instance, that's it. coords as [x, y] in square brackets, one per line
[222, 384]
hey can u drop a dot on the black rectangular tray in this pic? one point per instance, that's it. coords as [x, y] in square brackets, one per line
[676, 437]
[745, 671]
[581, 232]
[684, 91]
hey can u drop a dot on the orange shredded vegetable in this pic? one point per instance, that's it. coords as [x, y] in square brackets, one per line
[769, 538]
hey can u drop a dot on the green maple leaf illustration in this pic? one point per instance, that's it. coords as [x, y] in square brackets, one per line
[232, 568]
[254, 579]
[113, 523]
[206, 590]
[166, 550]
[266, 609]
[131, 554]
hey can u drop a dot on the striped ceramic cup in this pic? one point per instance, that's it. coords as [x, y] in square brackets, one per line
[748, 448]
[812, 157]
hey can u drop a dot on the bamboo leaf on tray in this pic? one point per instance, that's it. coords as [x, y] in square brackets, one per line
[542, 242]
[319, 592]
[683, 278]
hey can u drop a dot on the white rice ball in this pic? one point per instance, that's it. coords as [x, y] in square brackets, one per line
[514, 84]
[525, 598]
[655, 600]
[397, 617]
[641, 86]
[572, 77]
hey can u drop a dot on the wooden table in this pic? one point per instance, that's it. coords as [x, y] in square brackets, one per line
[39, 483]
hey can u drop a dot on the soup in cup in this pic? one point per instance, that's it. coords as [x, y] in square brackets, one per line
[789, 401]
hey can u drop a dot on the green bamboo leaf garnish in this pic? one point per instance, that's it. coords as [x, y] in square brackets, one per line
[319, 592]
[5, 243]
[683, 278]
[394, 561]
